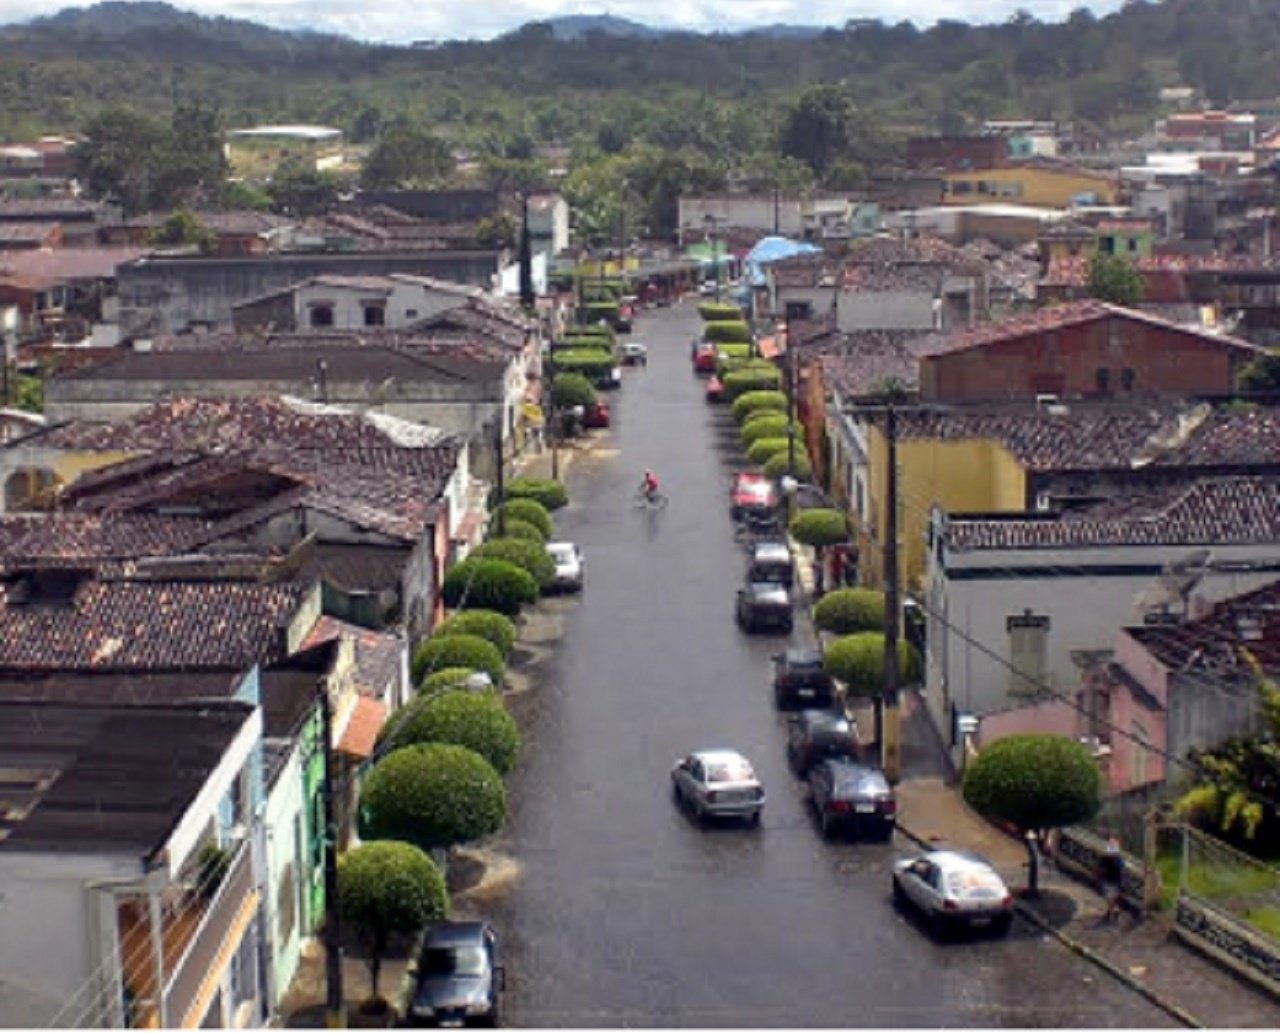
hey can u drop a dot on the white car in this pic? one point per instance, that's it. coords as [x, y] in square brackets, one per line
[952, 888]
[570, 566]
[635, 354]
[718, 784]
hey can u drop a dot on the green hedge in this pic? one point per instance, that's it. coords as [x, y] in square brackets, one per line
[475, 720]
[570, 389]
[728, 332]
[772, 426]
[513, 528]
[457, 650]
[847, 611]
[764, 449]
[718, 311]
[776, 466]
[529, 510]
[820, 527]
[489, 584]
[592, 363]
[523, 553]
[548, 493]
[752, 378]
[762, 414]
[496, 627]
[757, 401]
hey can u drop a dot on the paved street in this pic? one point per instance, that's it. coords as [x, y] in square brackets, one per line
[624, 912]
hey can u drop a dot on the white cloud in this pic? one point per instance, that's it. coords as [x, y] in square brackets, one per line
[402, 21]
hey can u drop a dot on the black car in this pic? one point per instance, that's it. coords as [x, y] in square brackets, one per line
[799, 679]
[770, 560]
[817, 735]
[458, 977]
[850, 797]
[761, 605]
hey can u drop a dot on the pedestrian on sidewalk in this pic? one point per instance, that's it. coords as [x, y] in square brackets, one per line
[1111, 875]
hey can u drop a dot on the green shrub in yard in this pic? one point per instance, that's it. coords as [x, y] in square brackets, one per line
[820, 527]
[727, 332]
[475, 720]
[751, 402]
[772, 426]
[847, 611]
[523, 553]
[529, 510]
[489, 584]
[778, 465]
[512, 528]
[457, 650]
[719, 311]
[764, 449]
[488, 624]
[752, 378]
[549, 493]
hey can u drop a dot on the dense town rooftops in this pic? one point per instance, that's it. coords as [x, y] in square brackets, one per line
[858, 363]
[54, 538]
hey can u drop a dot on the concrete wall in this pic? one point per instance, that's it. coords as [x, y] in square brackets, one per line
[159, 295]
[407, 303]
[1067, 362]
[1042, 188]
[1050, 717]
[755, 211]
[885, 310]
[287, 875]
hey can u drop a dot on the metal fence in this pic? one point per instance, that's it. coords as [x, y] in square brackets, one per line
[1197, 864]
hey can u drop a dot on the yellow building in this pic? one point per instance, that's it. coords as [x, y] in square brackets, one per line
[1037, 184]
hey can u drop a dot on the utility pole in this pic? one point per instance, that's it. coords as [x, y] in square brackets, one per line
[527, 297]
[791, 409]
[890, 739]
[335, 1008]
[499, 477]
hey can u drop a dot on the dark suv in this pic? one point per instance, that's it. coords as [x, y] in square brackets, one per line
[458, 978]
[799, 679]
[762, 604]
[817, 735]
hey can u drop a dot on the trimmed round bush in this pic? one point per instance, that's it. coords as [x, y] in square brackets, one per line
[858, 661]
[451, 678]
[475, 720]
[523, 529]
[820, 527]
[772, 426]
[847, 611]
[718, 311]
[528, 510]
[733, 331]
[489, 584]
[751, 402]
[778, 465]
[570, 389]
[523, 553]
[762, 414]
[753, 378]
[1034, 781]
[433, 795]
[590, 362]
[491, 625]
[548, 493]
[457, 650]
[761, 451]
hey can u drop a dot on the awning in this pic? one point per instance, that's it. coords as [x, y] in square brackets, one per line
[361, 734]
[768, 348]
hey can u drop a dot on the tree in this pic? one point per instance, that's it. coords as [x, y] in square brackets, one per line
[530, 556]
[298, 189]
[386, 888]
[183, 228]
[119, 157]
[407, 156]
[825, 127]
[858, 661]
[1262, 375]
[527, 509]
[495, 627]
[434, 795]
[475, 720]
[546, 491]
[458, 649]
[847, 611]
[489, 584]
[1034, 783]
[819, 528]
[1114, 279]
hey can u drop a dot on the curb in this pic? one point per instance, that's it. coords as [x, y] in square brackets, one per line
[1088, 953]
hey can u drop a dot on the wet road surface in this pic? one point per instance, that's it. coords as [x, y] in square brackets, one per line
[624, 911]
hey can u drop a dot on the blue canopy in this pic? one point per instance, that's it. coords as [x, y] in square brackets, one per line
[770, 249]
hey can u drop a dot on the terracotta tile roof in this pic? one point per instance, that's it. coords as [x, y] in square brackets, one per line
[123, 623]
[923, 250]
[853, 364]
[47, 267]
[46, 207]
[927, 279]
[377, 654]
[1072, 314]
[1212, 512]
[361, 733]
[1220, 643]
[55, 537]
[25, 232]
[239, 223]
[1073, 270]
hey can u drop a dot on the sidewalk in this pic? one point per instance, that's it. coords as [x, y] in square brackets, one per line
[1142, 953]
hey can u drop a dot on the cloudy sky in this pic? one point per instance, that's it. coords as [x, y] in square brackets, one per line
[402, 21]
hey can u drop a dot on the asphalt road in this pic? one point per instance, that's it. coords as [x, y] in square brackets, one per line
[624, 912]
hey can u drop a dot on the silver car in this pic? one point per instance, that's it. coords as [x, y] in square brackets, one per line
[953, 888]
[718, 784]
[570, 566]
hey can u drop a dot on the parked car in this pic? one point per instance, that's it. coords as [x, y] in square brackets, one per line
[817, 735]
[715, 390]
[799, 679]
[762, 604]
[709, 288]
[953, 888]
[570, 566]
[705, 357]
[771, 561]
[635, 354]
[596, 416]
[718, 784]
[851, 797]
[458, 979]
[751, 492]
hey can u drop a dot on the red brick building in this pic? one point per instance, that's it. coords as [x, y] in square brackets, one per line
[1087, 349]
[957, 153]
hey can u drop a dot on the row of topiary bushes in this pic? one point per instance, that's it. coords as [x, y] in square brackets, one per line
[438, 779]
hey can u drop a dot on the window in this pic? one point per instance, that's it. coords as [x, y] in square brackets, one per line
[411, 313]
[799, 310]
[375, 314]
[322, 315]
[1028, 637]
[1103, 377]
[1127, 377]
